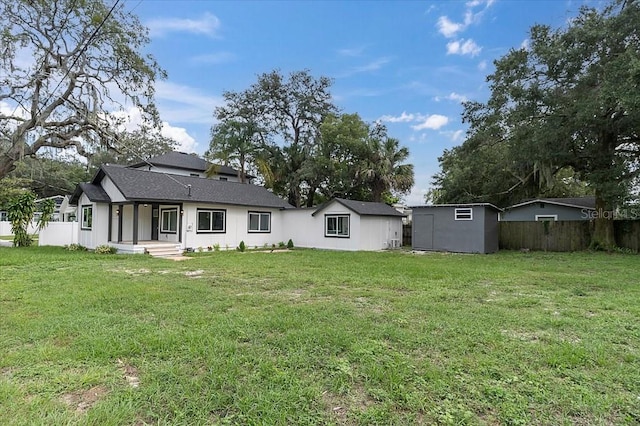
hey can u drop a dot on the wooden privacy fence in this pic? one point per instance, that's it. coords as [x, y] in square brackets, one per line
[406, 235]
[563, 235]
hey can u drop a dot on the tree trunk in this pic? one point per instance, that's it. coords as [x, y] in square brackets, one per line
[603, 237]
[311, 195]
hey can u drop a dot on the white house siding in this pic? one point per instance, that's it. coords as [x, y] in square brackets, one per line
[181, 172]
[236, 227]
[377, 232]
[309, 231]
[97, 235]
[111, 190]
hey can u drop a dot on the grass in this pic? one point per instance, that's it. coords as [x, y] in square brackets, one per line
[319, 337]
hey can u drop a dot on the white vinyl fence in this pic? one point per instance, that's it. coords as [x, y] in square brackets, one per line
[59, 234]
[5, 228]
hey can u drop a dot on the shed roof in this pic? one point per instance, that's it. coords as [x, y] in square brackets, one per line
[363, 208]
[460, 205]
[575, 202]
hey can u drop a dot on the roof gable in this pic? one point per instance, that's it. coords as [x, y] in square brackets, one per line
[363, 208]
[574, 202]
[184, 161]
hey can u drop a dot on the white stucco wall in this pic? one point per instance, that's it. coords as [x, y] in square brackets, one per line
[112, 191]
[377, 232]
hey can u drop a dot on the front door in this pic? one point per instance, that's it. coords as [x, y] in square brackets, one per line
[155, 214]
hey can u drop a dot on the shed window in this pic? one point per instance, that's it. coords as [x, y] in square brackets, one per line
[169, 223]
[87, 217]
[336, 226]
[211, 221]
[546, 217]
[464, 214]
[259, 222]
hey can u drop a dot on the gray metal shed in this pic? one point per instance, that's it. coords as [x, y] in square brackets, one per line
[462, 228]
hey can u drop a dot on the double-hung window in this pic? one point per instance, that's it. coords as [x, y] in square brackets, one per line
[211, 221]
[87, 217]
[464, 214]
[169, 222]
[259, 222]
[336, 225]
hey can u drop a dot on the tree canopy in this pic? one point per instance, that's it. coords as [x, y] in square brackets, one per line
[569, 103]
[64, 66]
[287, 129]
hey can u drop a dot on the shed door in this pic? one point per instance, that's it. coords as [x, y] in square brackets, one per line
[422, 231]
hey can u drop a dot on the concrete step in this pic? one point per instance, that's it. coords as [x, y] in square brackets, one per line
[163, 250]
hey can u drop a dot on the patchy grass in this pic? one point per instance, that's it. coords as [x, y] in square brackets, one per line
[319, 337]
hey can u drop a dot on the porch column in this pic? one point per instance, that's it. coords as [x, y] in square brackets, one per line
[119, 223]
[110, 222]
[181, 215]
[135, 223]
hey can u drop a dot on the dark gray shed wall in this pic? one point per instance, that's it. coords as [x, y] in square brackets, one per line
[529, 212]
[435, 228]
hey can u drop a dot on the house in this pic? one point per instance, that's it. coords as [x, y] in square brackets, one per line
[341, 224]
[168, 200]
[62, 212]
[462, 228]
[553, 209]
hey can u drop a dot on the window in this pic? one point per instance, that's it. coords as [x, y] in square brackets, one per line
[211, 221]
[546, 217]
[223, 179]
[194, 174]
[87, 217]
[464, 214]
[259, 222]
[169, 222]
[336, 226]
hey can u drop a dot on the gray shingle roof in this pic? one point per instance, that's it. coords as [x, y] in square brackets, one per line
[142, 185]
[94, 192]
[577, 202]
[181, 160]
[364, 208]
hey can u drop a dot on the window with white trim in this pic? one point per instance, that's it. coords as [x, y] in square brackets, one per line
[259, 222]
[546, 217]
[169, 221]
[336, 225]
[211, 221]
[464, 214]
[87, 217]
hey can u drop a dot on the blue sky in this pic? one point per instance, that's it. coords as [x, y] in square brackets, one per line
[408, 64]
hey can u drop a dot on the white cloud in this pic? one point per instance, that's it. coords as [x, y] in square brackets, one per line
[371, 66]
[433, 122]
[463, 47]
[207, 25]
[179, 134]
[351, 52]
[448, 28]
[184, 104]
[454, 135]
[402, 118]
[525, 44]
[482, 65]
[453, 96]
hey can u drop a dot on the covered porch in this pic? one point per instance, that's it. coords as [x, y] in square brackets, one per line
[144, 224]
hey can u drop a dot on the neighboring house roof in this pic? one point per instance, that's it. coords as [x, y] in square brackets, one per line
[363, 208]
[94, 192]
[143, 185]
[575, 202]
[181, 160]
[461, 205]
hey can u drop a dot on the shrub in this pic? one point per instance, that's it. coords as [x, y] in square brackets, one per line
[216, 247]
[242, 247]
[290, 244]
[105, 249]
[200, 249]
[281, 244]
[75, 247]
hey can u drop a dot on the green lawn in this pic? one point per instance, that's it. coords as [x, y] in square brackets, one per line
[318, 337]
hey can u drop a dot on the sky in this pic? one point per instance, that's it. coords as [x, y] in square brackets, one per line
[408, 64]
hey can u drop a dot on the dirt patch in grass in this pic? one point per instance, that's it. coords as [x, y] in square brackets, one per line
[340, 406]
[82, 401]
[130, 374]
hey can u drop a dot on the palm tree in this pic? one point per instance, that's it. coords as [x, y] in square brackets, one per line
[382, 169]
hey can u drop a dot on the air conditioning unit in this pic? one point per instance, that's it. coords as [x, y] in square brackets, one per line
[394, 243]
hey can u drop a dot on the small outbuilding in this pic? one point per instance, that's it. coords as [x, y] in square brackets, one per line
[461, 228]
[550, 209]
